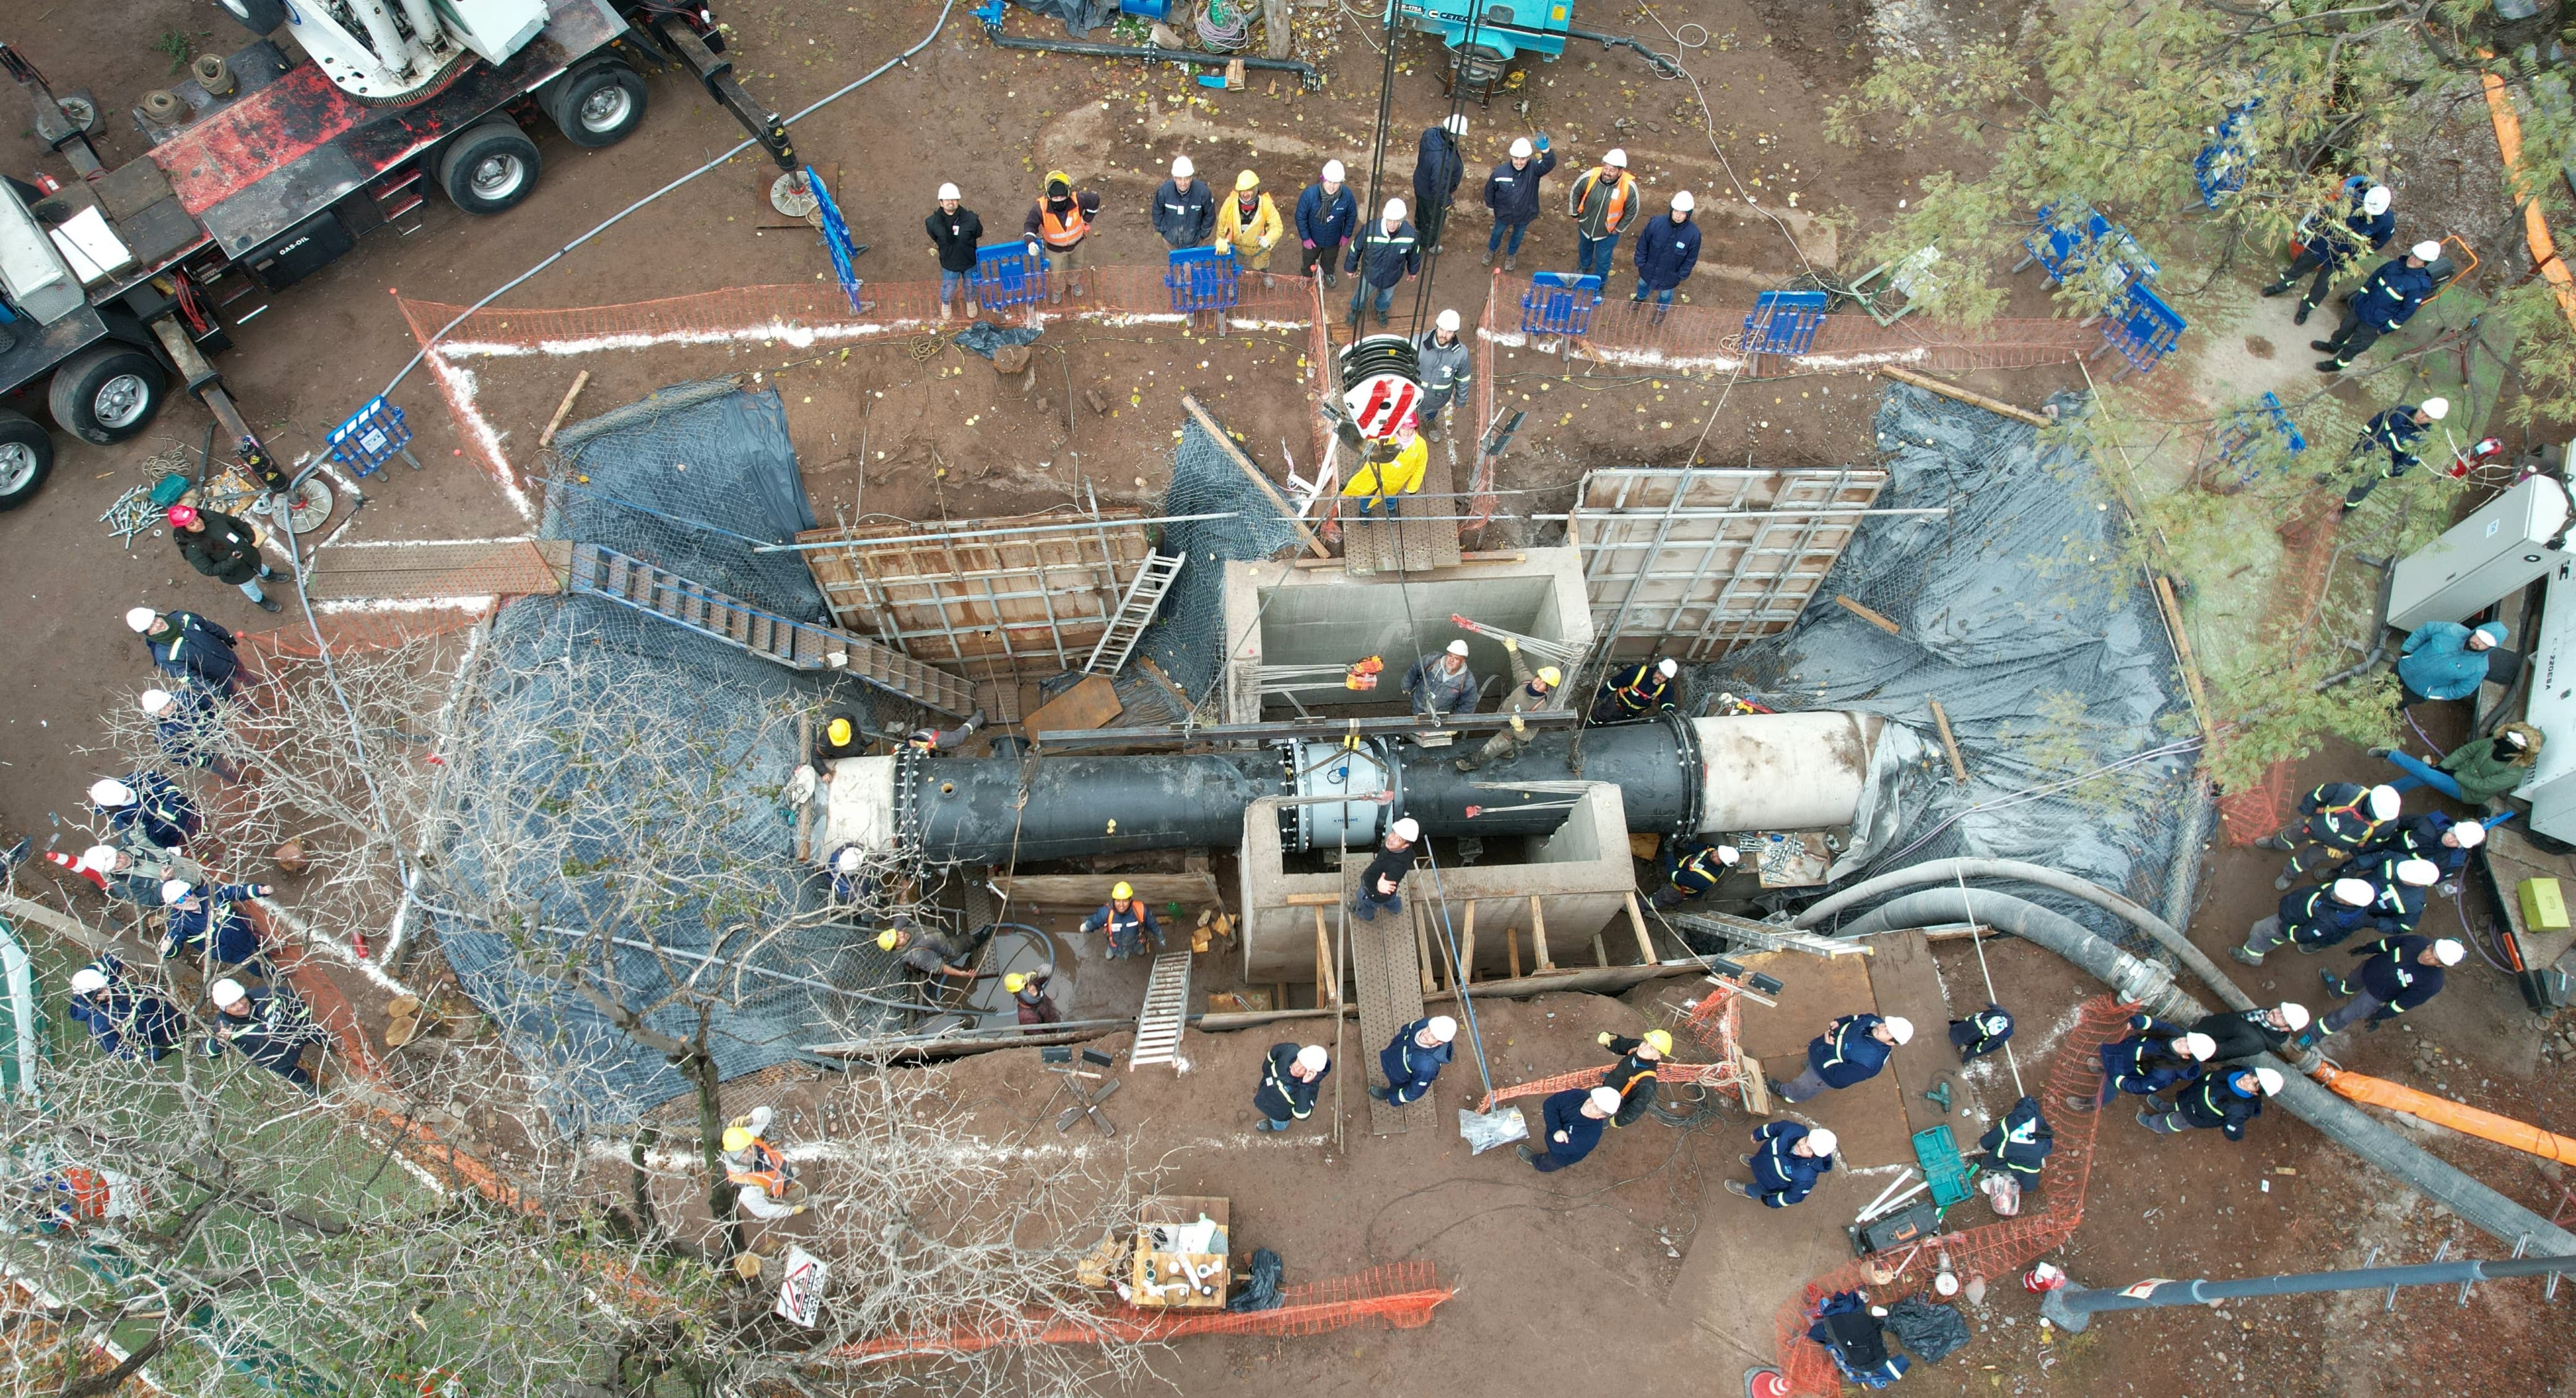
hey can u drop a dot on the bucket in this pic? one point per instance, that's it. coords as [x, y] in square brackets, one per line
[1155, 10]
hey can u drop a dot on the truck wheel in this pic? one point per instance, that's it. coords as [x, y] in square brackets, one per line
[596, 106]
[107, 393]
[260, 17]
[26, 458]
[489, 167]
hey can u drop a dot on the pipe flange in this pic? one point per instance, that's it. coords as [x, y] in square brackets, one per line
[1694, 779]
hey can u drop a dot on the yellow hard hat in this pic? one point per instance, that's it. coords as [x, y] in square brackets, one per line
[839, 731]
[1660, 1040]
[1550, 676]
[1246, 180]
[1122, 893]
[887, 939]
[1011, 983]
[737, 1138]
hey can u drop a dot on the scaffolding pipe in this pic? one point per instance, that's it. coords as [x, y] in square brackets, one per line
[2072, 1308]
[2153, 988]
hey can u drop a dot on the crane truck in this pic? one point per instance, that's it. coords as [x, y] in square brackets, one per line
[267, 164]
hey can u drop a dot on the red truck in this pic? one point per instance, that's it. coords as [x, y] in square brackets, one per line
[271, 162]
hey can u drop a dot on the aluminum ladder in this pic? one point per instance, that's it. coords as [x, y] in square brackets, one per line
[1767, 936]
[1135, 609]
[1167, 1003]
[798, 645]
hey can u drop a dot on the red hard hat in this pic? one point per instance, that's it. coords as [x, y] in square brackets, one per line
[181, 516]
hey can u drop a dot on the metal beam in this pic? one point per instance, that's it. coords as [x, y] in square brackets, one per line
[1324, 729]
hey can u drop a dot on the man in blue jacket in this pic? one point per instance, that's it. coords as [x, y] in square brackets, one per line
[2443, 660]
[2393, 431]
[2330, 247]
[269, 1026]
[2386, 302]
[1290, 1078]
[2320, 915]
[1850, 1052]
[1667, 251]
[1385, 254]
[1438, 166]
[1326, 214]
[1573, 1121]
[186, 646]
[2431, 836]
[1786, 1159]
[1184, 211]
[2019, 1143]
[1511, 191]
[126, 1020]
[146, 806]
[2225, 1100]
[2153, 1057]
[1414, 1060]
[2336, 818]
[2402, 973]
[206, 923]
[188, 726]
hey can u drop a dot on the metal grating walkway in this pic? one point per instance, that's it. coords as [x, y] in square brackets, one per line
[1167, 1006]
[1386, 977]
[1409, 545]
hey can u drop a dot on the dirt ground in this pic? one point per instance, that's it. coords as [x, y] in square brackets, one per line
[1669, 1281]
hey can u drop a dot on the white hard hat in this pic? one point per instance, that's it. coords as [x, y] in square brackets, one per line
[949, 191]
[2427, 251]
[1455, 123]
[2356, 892]
[1394, 212]
[2383, 803]
[2199, 1046]
[1668, 667]
[1443, 1028]
[1521, 148]
[89, 980]
[1407, 829]
[1313, 1058]
[108, 791]
[847, 861]
[2377, 200]
[2418, 873]
[172, 890]
[1448, 320]
[1333, 172]
[155, 700]
[2437, 408]
[1899, 1027]
[2449, 951]
[140, 618]
[1684, 202]
[2469, 834]
[2270, 1078]
[1822, 1141]
[99, 857]
[1615, 158]
[1458, 649]
[226, 993]
[1606, 1098]
[2294, 1015]
[1729, 855]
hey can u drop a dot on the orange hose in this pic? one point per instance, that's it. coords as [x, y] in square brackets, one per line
[2544, 247]
[2442, 1111]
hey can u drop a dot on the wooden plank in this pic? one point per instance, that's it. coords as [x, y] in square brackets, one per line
[1093, 703]
[2172, 607]
[1757, 1089]
[1245, 464]
[1422, 948]
[1327, 985]
[1466, 968]
[1865, 614]
[1949, 742]
[1512, 948]
[547, 437]
[1538, 935]
[1088, 891]
[1904, 981]
[1600, 951]
[1637, 923]
[1930, 384]
[1310, 900]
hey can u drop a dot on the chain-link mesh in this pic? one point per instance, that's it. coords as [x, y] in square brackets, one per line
[1188, 641]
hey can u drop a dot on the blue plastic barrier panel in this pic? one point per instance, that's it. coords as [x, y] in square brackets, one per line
[1560, 303]
[1203, 279]
[836, 236]
[1007, 275]
[373, 435]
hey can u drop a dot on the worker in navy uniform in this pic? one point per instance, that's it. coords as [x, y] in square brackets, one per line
[2320, 916]
[1981, 1033]
[127, 1020]
[1442, 685]
[1851, 1051]
[2017, 1143]
[1635, 691]
[1414, 1060]
[2431, 835]
[1290, 1078]
[842, 735]
[2241, 1034]
[2224, 1099]
[269, 1026]
[2402, 973]
[146, 806]
[2384, 303]
[1382, 882]
[2399, 883]
[2327, 245]
[2338, 818]
[1696, 873]
[2155, 1056]
[1127, 921]
[1573, 1121]
[1634, 1074]
[1787, 1158]
[207, 923]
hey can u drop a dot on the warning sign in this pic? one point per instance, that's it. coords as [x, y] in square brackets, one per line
[800, 1287]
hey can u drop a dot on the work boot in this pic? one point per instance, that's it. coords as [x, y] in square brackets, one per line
[1464, 765]
[1489, 257]
[2276, 288]
[268, 604]
[1661, 311]
[2282, 884]
[972, 310]
[1738, 1189]
[1332, 279]
[1511, 260]
[1381, 320]
[2379, 752]
[1267, 1125]
[1526, 1154]
[1745, 1158]
[1431, 432]
[2082, 1104]
[2321, 344]
[2330, 366]
[1381, 1094]
[2300, 316]
[975, 720]
[2334, 983]
[2275, 842]
[2250, 958]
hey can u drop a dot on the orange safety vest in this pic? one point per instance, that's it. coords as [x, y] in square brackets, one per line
[1621, 186]
[1062, 232]
[772, 1180]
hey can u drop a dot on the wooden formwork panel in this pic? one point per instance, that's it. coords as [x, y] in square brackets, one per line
[1694, 562]
[1037, 588]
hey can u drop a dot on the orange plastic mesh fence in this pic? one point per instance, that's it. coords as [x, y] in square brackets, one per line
[1692, 1074]
[1996, 1250]
[1400, 1295]
[1710, 340]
